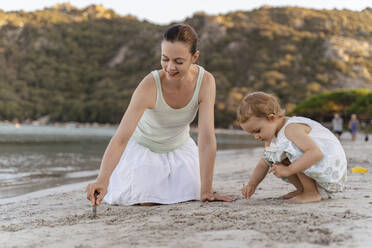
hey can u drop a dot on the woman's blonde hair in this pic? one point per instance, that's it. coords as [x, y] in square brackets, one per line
[258, 104]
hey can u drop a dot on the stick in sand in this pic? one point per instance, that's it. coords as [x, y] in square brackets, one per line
[95, 205]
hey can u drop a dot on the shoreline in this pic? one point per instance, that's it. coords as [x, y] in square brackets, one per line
[95, 125]
[69, 124]
[74, 186]
[27, 143]
[45, 192]
[65, 188]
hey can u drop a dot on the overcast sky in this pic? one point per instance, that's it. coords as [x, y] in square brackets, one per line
[166, 11]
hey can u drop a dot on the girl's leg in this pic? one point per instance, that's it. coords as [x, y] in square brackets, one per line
[310, 192]
[293, 180]
[297, 183]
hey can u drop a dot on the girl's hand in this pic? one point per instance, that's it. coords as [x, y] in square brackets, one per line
[215, 197]
[248, 191]
[280, 170]
[100, 188]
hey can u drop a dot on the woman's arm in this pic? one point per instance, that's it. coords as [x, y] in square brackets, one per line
[143, 97]
[207, 139]
[298, 134]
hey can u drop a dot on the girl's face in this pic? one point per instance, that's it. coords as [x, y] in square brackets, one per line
[263, 129]
[176, 59]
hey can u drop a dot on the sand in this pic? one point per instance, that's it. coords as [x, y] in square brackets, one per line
[61, 217]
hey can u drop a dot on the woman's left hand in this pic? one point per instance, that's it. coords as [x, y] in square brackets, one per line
[280, 170]
[215, 197]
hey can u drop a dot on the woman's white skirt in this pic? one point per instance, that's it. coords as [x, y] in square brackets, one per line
[144, 176]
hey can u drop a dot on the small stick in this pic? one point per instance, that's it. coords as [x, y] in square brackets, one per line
[95, 205]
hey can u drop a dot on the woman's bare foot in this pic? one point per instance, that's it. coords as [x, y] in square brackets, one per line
[291, 194]
[148, 204]
[306, 198]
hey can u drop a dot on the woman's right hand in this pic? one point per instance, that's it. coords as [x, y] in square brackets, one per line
[248, 190]
[100, 188]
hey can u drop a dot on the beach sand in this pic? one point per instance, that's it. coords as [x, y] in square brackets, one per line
[61, 217]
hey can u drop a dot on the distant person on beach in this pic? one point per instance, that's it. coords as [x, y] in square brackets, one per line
[152, 159]
[297, 149]
[353, 126]
[364, 126]
[337, 125]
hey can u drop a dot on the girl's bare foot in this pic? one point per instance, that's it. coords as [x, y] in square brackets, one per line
[306, 198]
[291, 194]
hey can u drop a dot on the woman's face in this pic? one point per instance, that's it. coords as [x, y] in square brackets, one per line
[176, 59]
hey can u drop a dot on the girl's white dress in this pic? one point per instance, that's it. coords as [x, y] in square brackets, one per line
[330, 172]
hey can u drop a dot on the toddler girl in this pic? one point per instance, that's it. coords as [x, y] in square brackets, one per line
[297, 149]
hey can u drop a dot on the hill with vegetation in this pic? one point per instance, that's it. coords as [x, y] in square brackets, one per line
[344, 102]
[83, 64]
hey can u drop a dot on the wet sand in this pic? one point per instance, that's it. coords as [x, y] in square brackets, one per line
[61, 217]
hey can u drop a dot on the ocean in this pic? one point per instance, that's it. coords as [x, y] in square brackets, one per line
[33, 158]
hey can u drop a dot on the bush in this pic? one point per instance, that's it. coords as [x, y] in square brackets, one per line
[321, 107]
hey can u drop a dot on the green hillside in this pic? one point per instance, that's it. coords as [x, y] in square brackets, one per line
[83, 64]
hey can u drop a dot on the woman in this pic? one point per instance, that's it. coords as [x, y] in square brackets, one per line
[152, 159]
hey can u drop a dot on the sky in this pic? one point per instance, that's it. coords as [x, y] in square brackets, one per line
[166, 11]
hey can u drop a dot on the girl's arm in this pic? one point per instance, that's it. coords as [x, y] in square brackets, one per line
[259, 173]
[298, 134]
[207, 139]
[143, 97]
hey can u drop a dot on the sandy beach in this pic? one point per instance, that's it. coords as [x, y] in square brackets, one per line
[61, 217]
